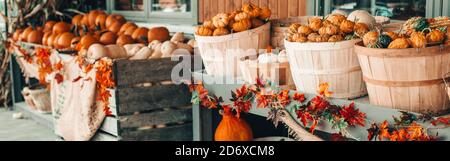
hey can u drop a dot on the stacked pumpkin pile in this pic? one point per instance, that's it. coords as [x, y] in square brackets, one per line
[251, 16]
[333, 28]
[417, 32]
[97, 27]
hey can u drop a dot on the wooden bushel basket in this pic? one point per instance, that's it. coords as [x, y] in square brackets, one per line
[37, 99]
[447, 85]
[280, 28]
[406, 79]
[332, 63]
[213, 49]
[279, 73]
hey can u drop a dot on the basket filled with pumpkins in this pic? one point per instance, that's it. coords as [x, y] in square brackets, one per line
[409, 65]
[322, 50]
[226, 36]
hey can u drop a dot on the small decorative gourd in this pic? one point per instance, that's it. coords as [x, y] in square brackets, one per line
[400, 43]
[305, 30]
[336, 38]
[384, 41]
[418, 40]
[315, 24]
[265, 13]
[347, 26]
[241, 16]
[242, 25]
[371, 39]
[299, 38]
[220, 20]
[220, 31]
[361, 29]
[203, 31]
[336, 19]
[251, 9]
[435, 36]
[209, 24]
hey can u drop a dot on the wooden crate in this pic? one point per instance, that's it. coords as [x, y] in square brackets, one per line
[146, 105]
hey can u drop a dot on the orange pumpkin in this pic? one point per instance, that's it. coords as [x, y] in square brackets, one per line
[45, 38]
[25, 33]
[221, 31]
[51, 39]
[76, 20]
[265, 13]
[100, 21]
[49, 26]
[35, 37]
[124, 40]
[61, 27]
[140, 35]
[92, 16]
[209, 24]
[251, 9]
[115, 27]
[232, 128]
[126, 26]
[87, 40]
[242, 25]
[203, 31]
[113, 18]
[242, 16]
[108, 38]
[130, 30]
[435, 36]
[16, 35]
[418, 40]
[158, 33]
[55, 42]
[65, 40]
[347, 26]
[85, 20]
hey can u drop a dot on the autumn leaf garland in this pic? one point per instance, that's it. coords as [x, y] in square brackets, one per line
[319, 109]
[312, 112]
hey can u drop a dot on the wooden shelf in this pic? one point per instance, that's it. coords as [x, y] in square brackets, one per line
[41, 118]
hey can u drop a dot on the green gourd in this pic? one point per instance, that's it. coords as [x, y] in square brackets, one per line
[384, 41]
[421, 24]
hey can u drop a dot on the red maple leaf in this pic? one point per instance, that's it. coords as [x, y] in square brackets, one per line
[318, 104]
[283, 98]
[299, 97]
[59, 78]
[441, 120]
[313, 126]
[353, 116]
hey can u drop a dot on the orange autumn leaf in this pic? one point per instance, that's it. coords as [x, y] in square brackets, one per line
[59, 66]
[384, 130]
[104, 81]
[323, 90]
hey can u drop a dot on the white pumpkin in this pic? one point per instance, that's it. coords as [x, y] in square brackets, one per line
[178, 37]
[116, 52]
[156, 52]
[181, 45]
[167, 49]
[132, 49]
[142, 54]
[96, 52]
[362, 16]
[154, 43]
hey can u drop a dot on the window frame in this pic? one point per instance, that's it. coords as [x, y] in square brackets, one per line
[147, 16]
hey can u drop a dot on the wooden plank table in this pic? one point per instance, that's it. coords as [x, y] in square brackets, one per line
[203, 123]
